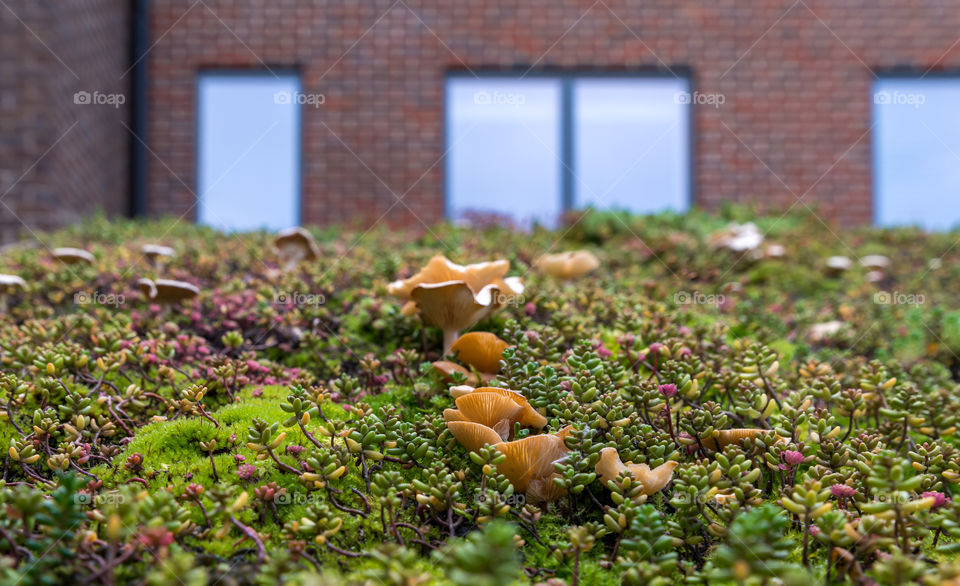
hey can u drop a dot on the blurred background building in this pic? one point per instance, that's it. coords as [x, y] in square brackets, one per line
[268, 113]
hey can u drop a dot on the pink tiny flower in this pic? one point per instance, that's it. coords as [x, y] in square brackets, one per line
[602, 350]
[294, 449]
[530, 308]
[939, 499]
[655, 348]
[684, 330]
[814, 530]
[792, 458]
[247, 471]
[532, 336]
[239, 458]
[842, 491]
[668, 390]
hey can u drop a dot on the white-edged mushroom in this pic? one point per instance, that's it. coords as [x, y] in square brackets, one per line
[293, 246]
[8, 283]
[157, 254]
[167, 291]
[71, 256]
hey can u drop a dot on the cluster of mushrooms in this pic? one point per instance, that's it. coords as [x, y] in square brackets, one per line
[453, 297]
[293, 246]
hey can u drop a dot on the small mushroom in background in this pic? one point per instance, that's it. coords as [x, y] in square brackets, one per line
[72, 256]
[157, 255]
[824, 331]
[776, 251]
[295, 245]
[460, 390]
[610, 466]
[876, 262]
[568, 265]
[453, 297]
[739, 238]
[167, 292]
[9, 283]
[496, 408]
[837, 265]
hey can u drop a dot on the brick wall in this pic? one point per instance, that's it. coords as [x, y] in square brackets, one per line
[796, 77]
[60, 160]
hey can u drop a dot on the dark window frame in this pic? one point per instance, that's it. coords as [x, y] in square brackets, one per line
[567, 78]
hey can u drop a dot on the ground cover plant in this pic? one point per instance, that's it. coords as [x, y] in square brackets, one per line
[688, 400]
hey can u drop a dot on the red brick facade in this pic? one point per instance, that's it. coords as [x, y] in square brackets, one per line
[795, 75]
[59, 159]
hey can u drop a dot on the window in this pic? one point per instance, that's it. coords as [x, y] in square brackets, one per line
[248, 150]
[916, 150]
[527, 149]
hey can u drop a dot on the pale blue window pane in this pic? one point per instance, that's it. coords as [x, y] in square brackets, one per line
[503, 140]
[249, 151]
[631, 144]
[917, 152]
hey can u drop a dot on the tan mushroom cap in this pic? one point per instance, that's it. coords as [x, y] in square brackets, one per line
[654, 480]
[726, 437]
[528, 417]
[294, 245]
[446, 369]
[480, 350]
[167, 290]
[472, 436]
[530, 458]
[154, 251]
[440, 269]
[568, 265]
[494, 410]
[12, 282]
[452, 306]
[71, 256]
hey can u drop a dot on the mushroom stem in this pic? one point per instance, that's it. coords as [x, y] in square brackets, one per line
[449, 337]
[3, 303]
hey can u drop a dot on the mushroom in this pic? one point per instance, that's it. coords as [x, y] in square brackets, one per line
[724, 437]
[480, 350]
[72, 256]
[157, 255]
[838, 264]
[821, 331]
[738, 237]
[496, 408]
[167, 291]
[875, 261]
[295, 245]
[473, 436]
[531, 459]
[446, 370]
[610, 466]
[568, 265]
[490, 409]
[7, 284]
[453, 297]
